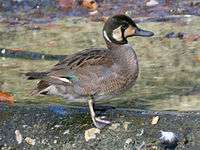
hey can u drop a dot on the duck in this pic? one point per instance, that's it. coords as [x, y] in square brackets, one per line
[96, 74]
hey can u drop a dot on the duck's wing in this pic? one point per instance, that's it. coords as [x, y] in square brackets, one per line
[70, 62]
[80, 59]
[86, 73]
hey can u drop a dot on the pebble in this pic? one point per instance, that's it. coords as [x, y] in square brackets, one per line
[141, 133]
[126, 124]
[55, 141]
[167, 136]
[114, 126]
[66, 132]
[129, 144]
[91, 133]
[30, 141]
[18, 136]
[168, 140]
[58, 126]
[155, 120]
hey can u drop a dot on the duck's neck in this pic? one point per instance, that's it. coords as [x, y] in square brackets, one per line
[124, 54]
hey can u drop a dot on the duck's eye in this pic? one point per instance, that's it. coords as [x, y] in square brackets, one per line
[125, 26]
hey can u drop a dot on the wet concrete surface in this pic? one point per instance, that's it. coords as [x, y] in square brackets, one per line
[61, 127]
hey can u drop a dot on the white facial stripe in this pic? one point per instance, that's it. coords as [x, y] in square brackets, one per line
[106, 36]
[117, 34]
[61, 79]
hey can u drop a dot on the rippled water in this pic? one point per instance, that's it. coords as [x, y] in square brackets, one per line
[169, 71]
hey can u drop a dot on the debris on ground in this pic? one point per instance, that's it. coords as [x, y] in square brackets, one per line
[30, 141]
[91, 133]
[66, 132]
[38, 128]
[155, 120]
[114, 126]
[129, 144]
[142, 145]
[141, 133]
[168, 140]
[18, 136]
[7, 98]
[126, 124]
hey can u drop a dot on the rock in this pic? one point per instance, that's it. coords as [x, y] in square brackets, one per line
[91, 133]
[126, 124]
[30, 141]
[141, 133]
[114, 126]
[129, 144]
[168, 140]
[66, 132]
[18, 136]
[155, 120]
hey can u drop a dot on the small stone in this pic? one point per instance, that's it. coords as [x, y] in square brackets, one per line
[168, 140]
[66, 132]
[18, 136]
[24, 126]
[91, 133]
[58, 126]
[44, 141]
[128, 141]
[55, 141]
[129, 144]
[142, 145]
[114, 126]
[167, 136]
[74, 145]
[155, 120]
[126, 124]
[154, 148]
[30, 141]
[141, 133]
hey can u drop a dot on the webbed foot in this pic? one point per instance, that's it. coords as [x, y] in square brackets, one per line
[100, 123]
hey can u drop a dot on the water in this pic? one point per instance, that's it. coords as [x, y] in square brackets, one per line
[169, 71]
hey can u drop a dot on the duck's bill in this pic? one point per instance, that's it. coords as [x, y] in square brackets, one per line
[140, 32]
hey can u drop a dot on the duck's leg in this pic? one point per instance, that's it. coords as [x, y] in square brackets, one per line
[99, 123]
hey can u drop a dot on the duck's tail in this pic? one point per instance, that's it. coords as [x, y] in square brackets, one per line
[35, 75]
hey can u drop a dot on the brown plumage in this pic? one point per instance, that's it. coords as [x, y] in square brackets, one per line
[97, 73]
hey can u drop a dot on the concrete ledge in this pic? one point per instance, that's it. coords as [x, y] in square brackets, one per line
[61, 127]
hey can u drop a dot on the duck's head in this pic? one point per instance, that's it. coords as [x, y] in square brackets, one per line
[119, 27]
